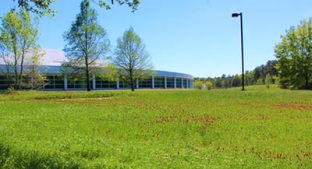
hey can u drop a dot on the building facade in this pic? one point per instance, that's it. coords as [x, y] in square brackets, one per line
[53, 58]
[161, 80]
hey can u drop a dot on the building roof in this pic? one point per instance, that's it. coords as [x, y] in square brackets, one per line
[53, 59]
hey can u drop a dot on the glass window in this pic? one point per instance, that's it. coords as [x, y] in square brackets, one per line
[184, 83]
[58, 82]
[170, 82]
[81, 83]
[109, 84]
[123, 85]
[179, 83]
[100, 84]
[159, 82]
[51, 84]
[146, 83]
[3, 83]
[190, 83]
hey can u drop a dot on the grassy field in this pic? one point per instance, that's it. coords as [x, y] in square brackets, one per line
[257, 128]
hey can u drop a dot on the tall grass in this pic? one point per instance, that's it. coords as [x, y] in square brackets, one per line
[48, 95]
[257, 128]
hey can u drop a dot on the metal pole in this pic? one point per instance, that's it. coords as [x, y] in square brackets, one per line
[242, 48]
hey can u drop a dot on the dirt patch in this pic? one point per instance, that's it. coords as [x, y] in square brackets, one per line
[294, 106]
[205, 119]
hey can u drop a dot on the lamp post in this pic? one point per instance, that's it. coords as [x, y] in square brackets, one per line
[234, 15]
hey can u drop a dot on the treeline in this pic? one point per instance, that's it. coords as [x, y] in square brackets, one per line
[261, 75]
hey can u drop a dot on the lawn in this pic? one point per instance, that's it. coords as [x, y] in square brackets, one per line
[257, 128]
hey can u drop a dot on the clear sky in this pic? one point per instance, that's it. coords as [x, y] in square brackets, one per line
[194, 37]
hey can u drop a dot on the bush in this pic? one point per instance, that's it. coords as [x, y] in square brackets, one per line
[209, 85]
[198, 84]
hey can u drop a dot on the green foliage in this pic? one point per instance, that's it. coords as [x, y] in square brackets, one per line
[131, 59]
[259, 82]
[260, 72]
[10, 90]
[268, 80]
[42, 7]
[131, 3]
[275, 80]
[209, 85]
[294, 57]
[157, 129]
[108, 73]
[249, 78]
[198, 84]
[19, 46]
[254, 77]
[32, 78]
[87, 46]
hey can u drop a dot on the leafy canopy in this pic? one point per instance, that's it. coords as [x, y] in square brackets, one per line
[19, 46]
[43, 7]
[87, 45]
[294, 54]
[132, 59]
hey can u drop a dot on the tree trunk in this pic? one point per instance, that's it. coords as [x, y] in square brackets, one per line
[15, 63]
[87, 57]
[16, 77]
[20, 78]
[87, 74]
[8, 80]
[131, 80]
[88, 81]
[131, 83]
[306, 82]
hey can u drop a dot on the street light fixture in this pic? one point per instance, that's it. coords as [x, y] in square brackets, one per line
[234, 15]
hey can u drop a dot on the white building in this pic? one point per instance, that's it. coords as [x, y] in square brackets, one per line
[51, 68]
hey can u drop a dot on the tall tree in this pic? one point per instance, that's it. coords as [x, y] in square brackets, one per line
[87, 44]
[42, 7]
[294, 54]
[18, 39]
[132, 60]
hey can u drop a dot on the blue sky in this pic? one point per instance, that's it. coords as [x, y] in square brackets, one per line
[194, 37]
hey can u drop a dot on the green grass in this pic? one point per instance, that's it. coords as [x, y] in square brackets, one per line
[257, 128]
